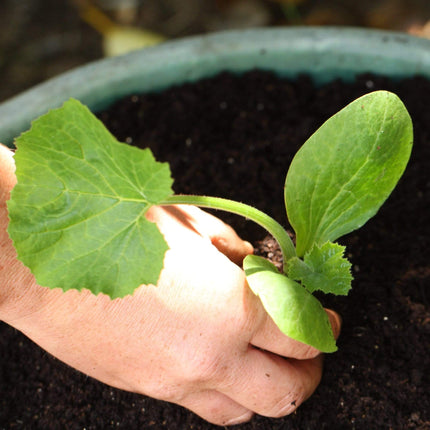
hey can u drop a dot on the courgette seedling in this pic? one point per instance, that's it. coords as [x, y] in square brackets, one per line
[77, 213]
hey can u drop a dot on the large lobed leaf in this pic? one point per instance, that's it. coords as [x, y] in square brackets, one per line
[347, 169]
[77, 213]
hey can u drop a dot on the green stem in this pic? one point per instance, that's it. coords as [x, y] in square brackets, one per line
[249, 212]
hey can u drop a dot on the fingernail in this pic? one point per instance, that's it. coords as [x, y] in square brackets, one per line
[240, 419]
[249, 247]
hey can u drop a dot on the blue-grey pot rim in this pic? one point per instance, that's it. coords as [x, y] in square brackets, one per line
[324, 53]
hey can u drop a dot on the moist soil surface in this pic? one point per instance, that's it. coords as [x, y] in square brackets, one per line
[235, 137]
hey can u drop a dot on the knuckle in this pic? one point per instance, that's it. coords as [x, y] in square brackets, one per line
[207, 370]
[169, 392]
[201, 368]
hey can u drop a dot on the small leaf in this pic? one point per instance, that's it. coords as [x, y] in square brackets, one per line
[77, 213]
[347, 169]
[296, 312]
[323, 268]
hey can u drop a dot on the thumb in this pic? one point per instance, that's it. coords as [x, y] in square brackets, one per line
[221, 235]
[225, 238]
[229, 243]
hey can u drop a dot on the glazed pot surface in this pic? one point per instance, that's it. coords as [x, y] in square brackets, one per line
[322, 53]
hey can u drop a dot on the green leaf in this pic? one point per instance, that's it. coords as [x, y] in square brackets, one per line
[296, 312]
[323, 268]
[347, 169]
[77, 214]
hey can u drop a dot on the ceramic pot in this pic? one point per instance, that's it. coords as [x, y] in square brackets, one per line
[323, 53]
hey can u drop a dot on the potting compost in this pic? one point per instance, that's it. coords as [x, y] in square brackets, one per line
[234, 137]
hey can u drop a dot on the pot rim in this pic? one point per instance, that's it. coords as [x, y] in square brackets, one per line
[324, 53]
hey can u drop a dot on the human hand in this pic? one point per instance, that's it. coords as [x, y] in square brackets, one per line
[201, 338]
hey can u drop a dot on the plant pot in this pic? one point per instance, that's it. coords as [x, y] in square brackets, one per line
[323, 54]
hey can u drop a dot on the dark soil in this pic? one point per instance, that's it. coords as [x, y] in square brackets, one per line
[235, 137]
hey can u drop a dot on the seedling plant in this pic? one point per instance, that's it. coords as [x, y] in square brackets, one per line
[77, 213]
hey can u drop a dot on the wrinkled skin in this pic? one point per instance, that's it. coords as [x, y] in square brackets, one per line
[200, 338]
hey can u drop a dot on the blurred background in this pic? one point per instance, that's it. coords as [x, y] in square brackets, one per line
[40, 39]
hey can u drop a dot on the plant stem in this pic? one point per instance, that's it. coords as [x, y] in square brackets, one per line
[249, 212]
